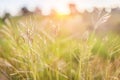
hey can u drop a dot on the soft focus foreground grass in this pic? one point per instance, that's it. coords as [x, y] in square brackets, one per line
[30, 52]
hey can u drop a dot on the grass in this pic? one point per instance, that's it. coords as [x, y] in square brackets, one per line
[30, 52]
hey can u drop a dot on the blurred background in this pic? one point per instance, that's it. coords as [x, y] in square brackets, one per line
[82, 12]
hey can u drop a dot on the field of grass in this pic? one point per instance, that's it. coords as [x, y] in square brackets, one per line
[30, 50]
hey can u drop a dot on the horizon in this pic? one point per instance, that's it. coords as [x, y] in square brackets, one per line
[61, 6]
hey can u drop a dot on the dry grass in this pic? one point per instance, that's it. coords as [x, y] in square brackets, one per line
[30, 51]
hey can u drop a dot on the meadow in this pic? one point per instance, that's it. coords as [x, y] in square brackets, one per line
[58, 48]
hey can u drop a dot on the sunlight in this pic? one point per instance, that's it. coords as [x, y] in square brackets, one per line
[61, 6]
[62, 11]
[59, 40]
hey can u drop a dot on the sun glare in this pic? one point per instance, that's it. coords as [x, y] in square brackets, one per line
[62, 7]
[62, 11]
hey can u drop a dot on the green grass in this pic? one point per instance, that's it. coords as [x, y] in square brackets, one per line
[29, 52]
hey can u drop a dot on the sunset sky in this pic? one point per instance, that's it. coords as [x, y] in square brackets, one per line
[13, 6]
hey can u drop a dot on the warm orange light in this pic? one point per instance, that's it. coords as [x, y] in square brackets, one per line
[62, 11]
